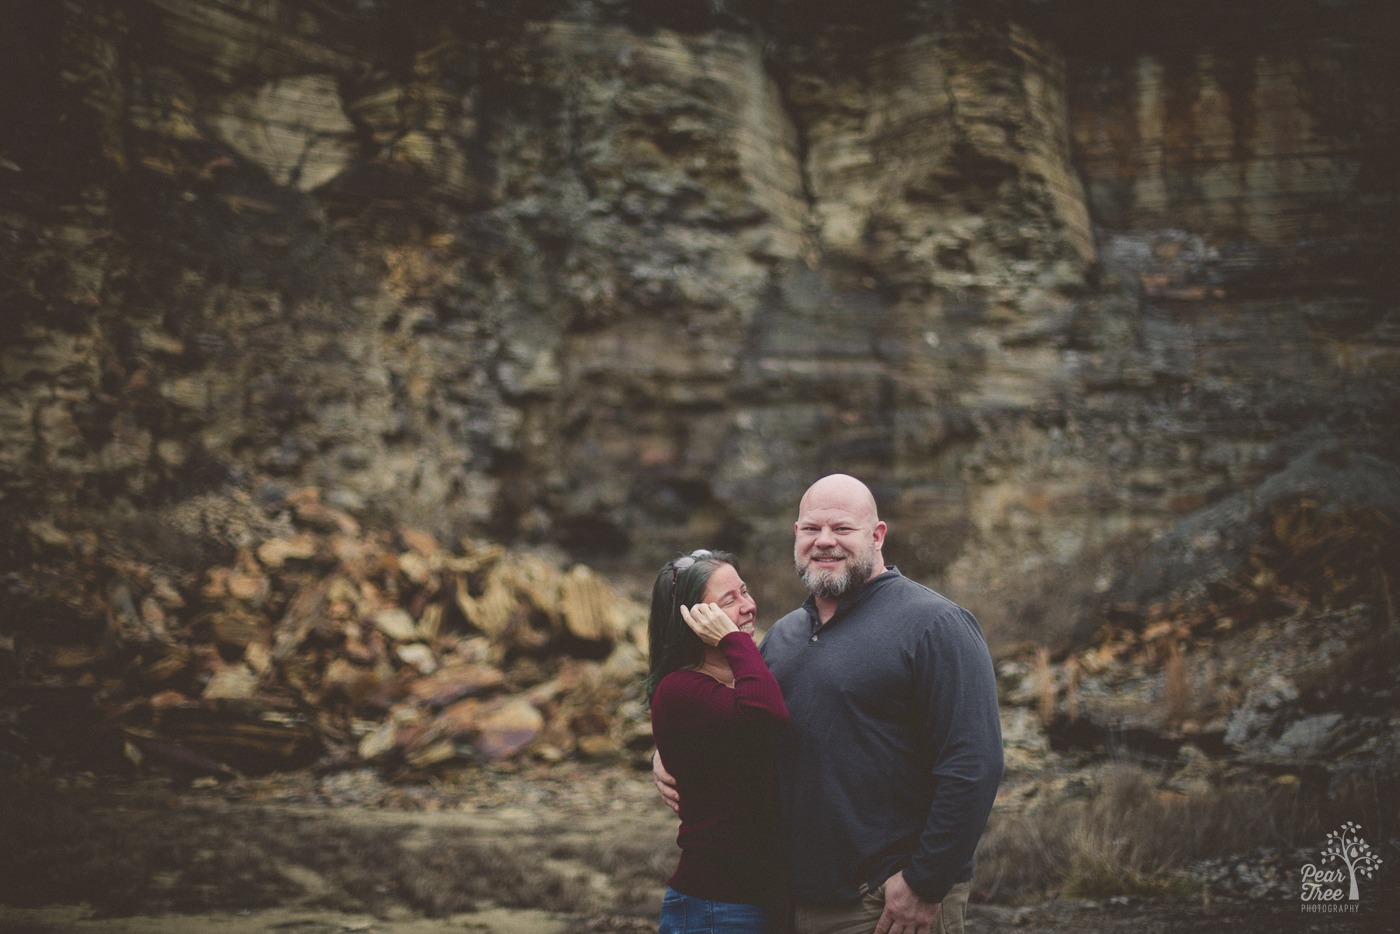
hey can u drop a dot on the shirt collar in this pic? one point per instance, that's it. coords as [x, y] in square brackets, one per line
[851, 598]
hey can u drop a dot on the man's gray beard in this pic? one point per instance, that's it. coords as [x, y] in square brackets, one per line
[832, 587]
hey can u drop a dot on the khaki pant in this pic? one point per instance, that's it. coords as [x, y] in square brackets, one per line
[862, 916]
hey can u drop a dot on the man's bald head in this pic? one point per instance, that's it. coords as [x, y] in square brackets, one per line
[841, 492]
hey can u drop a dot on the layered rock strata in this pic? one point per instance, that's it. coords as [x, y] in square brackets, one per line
[619, 280]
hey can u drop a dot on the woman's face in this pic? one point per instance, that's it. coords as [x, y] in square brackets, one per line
[727, 589]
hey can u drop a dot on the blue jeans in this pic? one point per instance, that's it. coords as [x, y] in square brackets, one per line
[681, 914]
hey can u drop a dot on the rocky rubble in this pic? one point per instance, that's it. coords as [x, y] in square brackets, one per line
[1287, 660]
[321, 644]
[1239, 720]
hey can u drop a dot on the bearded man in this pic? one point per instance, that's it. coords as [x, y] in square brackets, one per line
[892, 758]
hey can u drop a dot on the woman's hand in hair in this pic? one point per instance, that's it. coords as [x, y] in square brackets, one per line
[710, 623]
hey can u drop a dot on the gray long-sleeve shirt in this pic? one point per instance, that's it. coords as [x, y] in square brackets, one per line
[893, 756]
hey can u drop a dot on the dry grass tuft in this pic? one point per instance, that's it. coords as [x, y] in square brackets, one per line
[1133, 835]
[1124, 834]
[1180, 691]
[1072, 675]
[1045, 685]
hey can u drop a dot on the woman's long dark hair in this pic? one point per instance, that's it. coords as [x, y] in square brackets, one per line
[672, 644]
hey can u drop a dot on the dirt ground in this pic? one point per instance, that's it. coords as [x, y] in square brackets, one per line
[570, 849]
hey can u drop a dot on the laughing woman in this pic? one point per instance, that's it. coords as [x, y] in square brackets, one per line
[715, 712]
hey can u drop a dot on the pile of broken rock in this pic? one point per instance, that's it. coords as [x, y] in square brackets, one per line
[320, 645]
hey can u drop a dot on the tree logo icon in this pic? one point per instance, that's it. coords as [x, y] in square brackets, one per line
[1345, 857]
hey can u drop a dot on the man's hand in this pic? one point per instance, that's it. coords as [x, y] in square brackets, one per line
[665, 783]
[905, 912]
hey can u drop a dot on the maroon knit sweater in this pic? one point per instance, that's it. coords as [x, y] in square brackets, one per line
[718, 743]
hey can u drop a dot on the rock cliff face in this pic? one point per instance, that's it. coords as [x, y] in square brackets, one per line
[621, 278]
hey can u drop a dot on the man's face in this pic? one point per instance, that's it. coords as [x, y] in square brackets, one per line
[834, 552]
